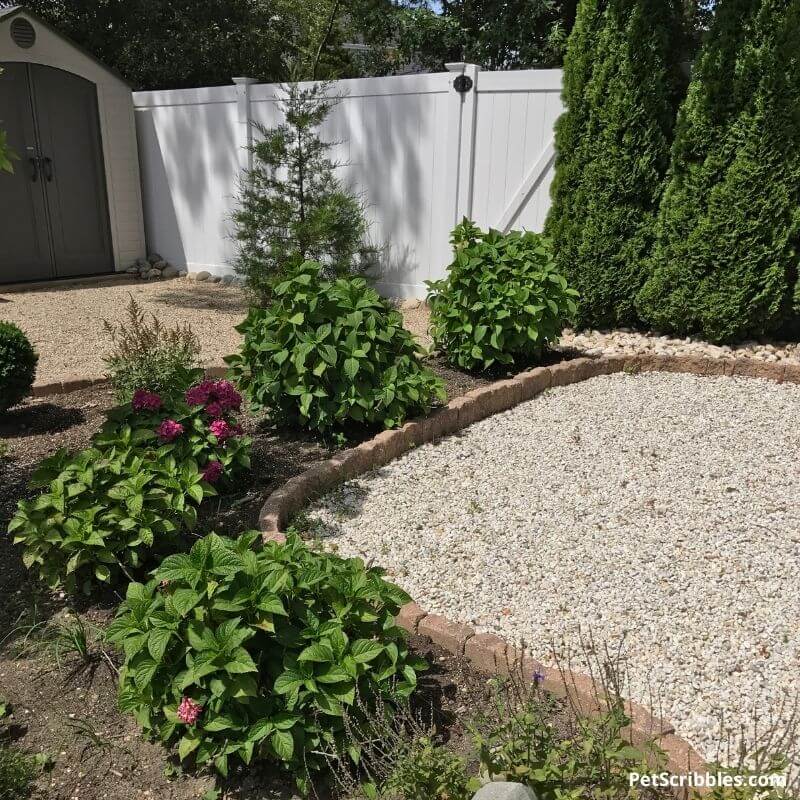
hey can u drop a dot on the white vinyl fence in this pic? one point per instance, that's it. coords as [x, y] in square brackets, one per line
[422, 153]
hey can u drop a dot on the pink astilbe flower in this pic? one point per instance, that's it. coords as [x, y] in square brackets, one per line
[169, 430]
[224, 430]
[212, 471]
[189, 711]
[145, 401]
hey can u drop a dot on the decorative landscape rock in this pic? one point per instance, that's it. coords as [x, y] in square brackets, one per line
[504, 790]
[628, 342]
[201, 276]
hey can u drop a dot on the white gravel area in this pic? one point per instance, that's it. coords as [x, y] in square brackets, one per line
[657, 509]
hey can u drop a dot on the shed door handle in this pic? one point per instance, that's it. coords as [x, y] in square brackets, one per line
[35, 165]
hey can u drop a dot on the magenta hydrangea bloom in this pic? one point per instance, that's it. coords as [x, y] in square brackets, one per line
[216, 396]
[145, 401]
[212, 471]
[169, 430]
[215, 409]
[227, 396]
[198, 395]
[224, 430]
[189, 711]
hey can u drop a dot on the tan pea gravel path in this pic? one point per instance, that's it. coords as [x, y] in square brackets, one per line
[65, 321]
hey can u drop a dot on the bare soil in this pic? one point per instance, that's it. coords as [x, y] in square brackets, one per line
[69, 711]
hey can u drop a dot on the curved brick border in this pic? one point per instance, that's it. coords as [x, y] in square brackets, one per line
[73, 383]
[487, 651]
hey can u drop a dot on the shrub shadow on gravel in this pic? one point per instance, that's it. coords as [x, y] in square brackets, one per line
[221, 298]
[39, 419]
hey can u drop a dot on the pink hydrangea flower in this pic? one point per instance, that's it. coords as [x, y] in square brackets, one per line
[216, 396]
[227, 395]
[145, 401]
[169, 430]
[214, 409]
[198, 395]
[212, 471]
[189, 711]
[224, 430]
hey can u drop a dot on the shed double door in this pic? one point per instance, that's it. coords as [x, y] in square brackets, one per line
[53, 208]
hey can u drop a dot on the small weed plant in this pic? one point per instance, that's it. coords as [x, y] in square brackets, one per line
[242, 651]
[147, 355]
[328, 353]
[17, 770]
[106, 511]
[502, 301]
[395, 754]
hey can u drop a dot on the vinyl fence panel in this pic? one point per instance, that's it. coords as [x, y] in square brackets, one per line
[419, 152]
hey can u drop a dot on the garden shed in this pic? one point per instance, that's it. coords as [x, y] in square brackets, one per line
[73, 204]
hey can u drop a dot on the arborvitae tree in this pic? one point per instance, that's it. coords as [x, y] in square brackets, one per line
[292, 207]
[726, 256]
[622, 86]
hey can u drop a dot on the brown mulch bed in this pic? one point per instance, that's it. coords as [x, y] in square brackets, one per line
[70, 711]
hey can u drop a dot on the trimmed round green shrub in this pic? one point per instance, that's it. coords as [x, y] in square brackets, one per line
[502, 300]
[726, 257]
[17, 365]
[240, 650]
[622, 88]
[328, 353]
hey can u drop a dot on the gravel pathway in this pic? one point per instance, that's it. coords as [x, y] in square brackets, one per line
[65, 322]
[658, 509]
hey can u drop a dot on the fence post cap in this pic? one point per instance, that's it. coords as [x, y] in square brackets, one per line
[243, 81]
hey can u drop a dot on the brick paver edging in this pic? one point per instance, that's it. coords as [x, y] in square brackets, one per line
[487, 651]
[72, 384]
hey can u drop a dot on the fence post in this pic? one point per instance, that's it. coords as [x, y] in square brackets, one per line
[245, 127]
[461, 128]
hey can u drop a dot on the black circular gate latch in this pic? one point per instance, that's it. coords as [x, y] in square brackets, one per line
[462, 83]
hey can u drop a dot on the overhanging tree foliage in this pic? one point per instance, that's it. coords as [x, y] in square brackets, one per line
[622, 86]
[172, 44]
[726, 257]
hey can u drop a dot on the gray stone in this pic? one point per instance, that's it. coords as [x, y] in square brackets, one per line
[183, 273]
[154, 273]
[161, 265]
[504, 790]
[134, 270]
[226, 280]
[202, 276]
[143, 262]
[214, 279]
[169, 271]
[154, 258]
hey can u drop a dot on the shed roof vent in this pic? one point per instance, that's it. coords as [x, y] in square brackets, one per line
[22, 33]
